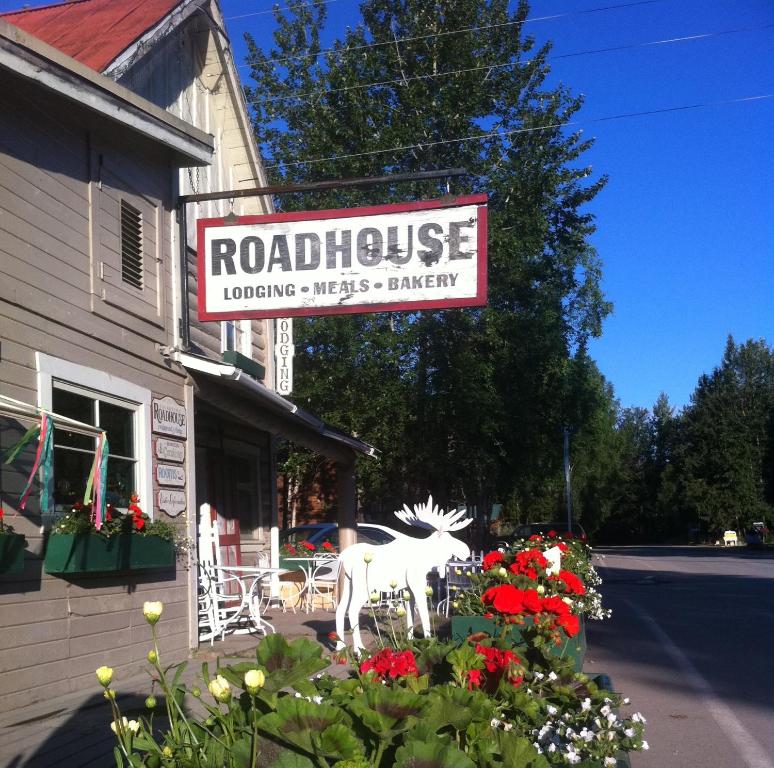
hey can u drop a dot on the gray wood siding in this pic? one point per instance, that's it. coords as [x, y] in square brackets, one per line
[55, 632]
[185, 73]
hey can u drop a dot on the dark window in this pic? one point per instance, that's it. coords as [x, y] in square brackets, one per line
[131, 245]
[74, 452]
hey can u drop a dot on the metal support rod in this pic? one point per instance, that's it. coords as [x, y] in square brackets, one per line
[567, 479]
[185, 322]
[316, 186]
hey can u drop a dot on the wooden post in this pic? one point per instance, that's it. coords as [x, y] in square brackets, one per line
[347, 502]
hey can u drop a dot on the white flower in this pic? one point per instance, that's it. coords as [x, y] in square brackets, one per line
[220, 689]
[629, 733]
[638, 718]
[586, 705]
[133, 726]
[254, 680]
[604, 710]
[610, 762]
[645, 745]
[152, 611]
[507, 726]
[627, 700]
[538, 675]
[317, 699]
[552, 676]
[552, 747]
[551, 709]
[114, 725]
[494, 722]
[572, 758]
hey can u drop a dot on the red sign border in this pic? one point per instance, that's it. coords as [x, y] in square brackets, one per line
[339, 213]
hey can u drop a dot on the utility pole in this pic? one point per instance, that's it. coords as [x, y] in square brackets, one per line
[567, 479]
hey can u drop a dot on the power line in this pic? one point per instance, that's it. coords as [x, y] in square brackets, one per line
[493, 134]
[316, 95]
[446, 33]
[287, 8]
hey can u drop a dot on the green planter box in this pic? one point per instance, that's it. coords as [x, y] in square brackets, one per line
[91, 553]
[573, 648]
[12, 552]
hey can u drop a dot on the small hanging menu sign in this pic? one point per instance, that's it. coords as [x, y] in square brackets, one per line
[170, 474]
[169, 450]
[171, 502]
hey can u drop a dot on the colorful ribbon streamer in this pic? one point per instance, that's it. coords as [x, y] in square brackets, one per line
[44, 457]
[97, 481]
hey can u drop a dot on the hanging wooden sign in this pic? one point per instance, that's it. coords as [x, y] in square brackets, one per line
[170, 450]
[170, 474]
[168, 417]
[171, 502]
[421, 255]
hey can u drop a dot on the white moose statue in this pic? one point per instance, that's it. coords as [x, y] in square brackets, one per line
[402, 564]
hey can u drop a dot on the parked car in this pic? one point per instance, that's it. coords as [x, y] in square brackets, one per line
[317, 533]
[541, 529]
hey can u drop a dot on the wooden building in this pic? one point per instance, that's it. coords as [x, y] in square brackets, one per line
[106, 124]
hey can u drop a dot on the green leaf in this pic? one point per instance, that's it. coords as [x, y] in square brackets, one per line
[338, 741]
[387, 711]
[518, 752]
[241, 752]
[289, 759]
[299, 723]
[423, 754]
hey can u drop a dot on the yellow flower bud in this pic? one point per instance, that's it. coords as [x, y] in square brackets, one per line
[502, 572]
[393, 584]
[152, 611]
[429, 591]
[374, 597]
[133, 726]
[105, 675]
[167, 752]
[406, 595]
[400, 611]
[220, 689]
[367, 557]
[541, 590]
[153, 657]
[254, 680]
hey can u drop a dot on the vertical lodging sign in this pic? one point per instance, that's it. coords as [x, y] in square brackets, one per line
[421, 255]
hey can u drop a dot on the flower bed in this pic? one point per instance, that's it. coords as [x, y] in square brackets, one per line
[93, 553]
[439, 705]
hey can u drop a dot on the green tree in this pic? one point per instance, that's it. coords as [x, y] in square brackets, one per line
[464, 403]
[726, 439]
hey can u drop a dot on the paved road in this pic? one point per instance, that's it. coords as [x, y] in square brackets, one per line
[691, 642]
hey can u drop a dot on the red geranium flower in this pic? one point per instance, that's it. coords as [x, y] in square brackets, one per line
[391, 664]
[555, 605]
[491, 560]
[532, 601]
[505, 599]
[552, 534]
[139, 523]
[570, 624]
[572, 584]
[308, 545]
[535, 537]
[562, 546]
[474, 678]
[328, 547]
[568, 535]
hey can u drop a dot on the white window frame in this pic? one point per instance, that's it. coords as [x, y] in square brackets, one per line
[52, 369]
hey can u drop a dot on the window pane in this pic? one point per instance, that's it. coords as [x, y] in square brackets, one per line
[71, 473]
[118, 422]
[76, 407]
[121, 483]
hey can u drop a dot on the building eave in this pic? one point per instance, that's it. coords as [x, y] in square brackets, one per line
[30, 58]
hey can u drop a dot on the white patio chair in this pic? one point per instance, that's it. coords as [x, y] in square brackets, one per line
[324, 581]
[229, 595]
[457, 580]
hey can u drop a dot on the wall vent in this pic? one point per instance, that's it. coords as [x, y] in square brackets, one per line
[131, 245]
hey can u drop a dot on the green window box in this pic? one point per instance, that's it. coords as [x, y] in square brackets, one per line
[91, 553]
[573, 647]
[12, 547]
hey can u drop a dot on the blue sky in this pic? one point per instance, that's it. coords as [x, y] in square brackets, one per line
[686, 223]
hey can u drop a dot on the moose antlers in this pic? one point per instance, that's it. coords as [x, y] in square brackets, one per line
[431, 517]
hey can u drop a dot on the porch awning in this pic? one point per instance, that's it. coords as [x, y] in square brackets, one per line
[230, 388]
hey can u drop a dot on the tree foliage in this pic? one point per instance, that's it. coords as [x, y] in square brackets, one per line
[467, 404]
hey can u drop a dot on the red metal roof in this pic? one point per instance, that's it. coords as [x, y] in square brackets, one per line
[94, 32]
